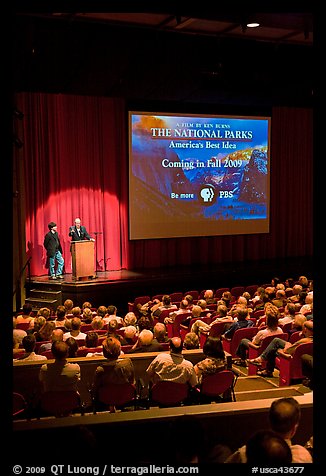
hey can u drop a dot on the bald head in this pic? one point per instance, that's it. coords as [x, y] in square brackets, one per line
[176, 345]
[57, 335]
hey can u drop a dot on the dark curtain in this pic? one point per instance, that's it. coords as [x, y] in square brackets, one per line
[75, 158]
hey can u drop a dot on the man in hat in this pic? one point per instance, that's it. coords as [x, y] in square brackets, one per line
[54, 251]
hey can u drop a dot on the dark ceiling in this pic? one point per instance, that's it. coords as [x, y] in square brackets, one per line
[181, 58]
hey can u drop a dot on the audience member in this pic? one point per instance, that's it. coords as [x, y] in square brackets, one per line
[75, 330]
[130, 319]
[265, 447]
[183, 308]
[172, 366]
[97, 323]
[101, 311]
[114, 370]
[241, 322]
[56, 336]
[146, 343]
[289, 314]
[278, 346]
[45, 333]
[160, 333]
[87, 316]
[60, 375]
[112, 314]
[191, 341]
[25, 316]
[112, 327]
[284, 419]
[60, 316]
[68, 305]
[271, 329]
[18, 334]
[129, 335]
[209, 297]
[29, 343]
[72, 346]
[214, 360]
[162, 306]
[307, 370]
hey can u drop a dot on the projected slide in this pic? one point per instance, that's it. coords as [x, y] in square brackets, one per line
[197, 175]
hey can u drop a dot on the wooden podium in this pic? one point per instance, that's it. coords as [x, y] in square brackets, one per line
[82, 253]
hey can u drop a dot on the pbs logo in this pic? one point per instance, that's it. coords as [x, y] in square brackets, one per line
[208, 195]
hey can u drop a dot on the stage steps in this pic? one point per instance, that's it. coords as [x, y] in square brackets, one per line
[45, 297]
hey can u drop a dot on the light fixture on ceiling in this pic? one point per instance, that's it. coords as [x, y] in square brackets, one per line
[253, 24]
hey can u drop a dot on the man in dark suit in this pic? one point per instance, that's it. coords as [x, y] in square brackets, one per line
[78, 232]
[54, 251]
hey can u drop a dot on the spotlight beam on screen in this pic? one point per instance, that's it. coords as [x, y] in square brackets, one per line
[198, 175]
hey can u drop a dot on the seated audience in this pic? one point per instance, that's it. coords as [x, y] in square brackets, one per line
[265, 447]
[112, 327]
[60, 316]
[289, 314]
[60, 375]
[214, 360]
[45, 333]
[75, 330]
[129, 335]
[114, 370]
[29, 343]
[68, 305]
[146, 343]
[56, 336]
[284, 419]
[72, 346]
[191, 341]
[278, 346]
[97, 323]
[160, 333]
[241, 322]
[172, 366]
[25, 316]
[112, 314]
[272, 328]
[307, 362]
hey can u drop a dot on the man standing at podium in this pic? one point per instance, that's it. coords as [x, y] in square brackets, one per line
[78, 232]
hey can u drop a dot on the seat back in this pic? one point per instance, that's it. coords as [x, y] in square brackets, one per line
[117, 394]
[22, 325]
[291, 369]
[165, 313]
[39, 343]
[294, 336]
[193, 293]
[176, 297]
[220, 383]
[165, 393]
[253, 353]
[138, 300]
[19, 404]
[243, 333]
[83, 351]
[286, 327]
[236, 291]
[217, 329]
[251, 289]
[60, 403]
[220, 291]
[176, 324]
[48, 354]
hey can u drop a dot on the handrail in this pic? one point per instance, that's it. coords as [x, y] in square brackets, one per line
[21, 273]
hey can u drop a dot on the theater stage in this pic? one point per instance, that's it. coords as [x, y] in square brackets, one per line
[119, 287]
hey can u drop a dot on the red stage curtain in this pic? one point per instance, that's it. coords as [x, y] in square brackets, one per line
[76, 164]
